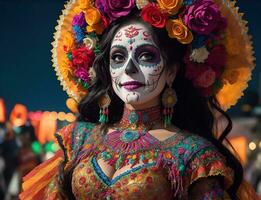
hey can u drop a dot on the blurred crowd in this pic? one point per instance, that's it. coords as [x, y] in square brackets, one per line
[17, 157]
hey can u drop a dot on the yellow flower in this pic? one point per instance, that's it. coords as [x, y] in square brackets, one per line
[176, 29]
[92, 16]
[171, 6]
[68, 42]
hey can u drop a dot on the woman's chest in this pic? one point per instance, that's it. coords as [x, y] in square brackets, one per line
[96, 177]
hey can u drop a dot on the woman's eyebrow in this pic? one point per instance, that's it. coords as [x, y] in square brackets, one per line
[118, 46]
[145, 45]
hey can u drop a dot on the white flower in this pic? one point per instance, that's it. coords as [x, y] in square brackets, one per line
[141, 3]
[89, 42]
[199, 55]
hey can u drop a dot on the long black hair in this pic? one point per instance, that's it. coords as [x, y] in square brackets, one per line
[193, 112]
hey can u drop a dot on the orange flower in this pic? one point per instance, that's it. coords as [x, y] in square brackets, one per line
[176, 29]
[171, 6]
[92, 16]
[84, 4]
[94, 20]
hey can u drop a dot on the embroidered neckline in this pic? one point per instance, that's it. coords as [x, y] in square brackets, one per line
[130, 141]
[105, 179]
[140, 119]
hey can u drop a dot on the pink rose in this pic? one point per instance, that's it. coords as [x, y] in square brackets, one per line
[115, 8]
[82, 74]
[203, 16]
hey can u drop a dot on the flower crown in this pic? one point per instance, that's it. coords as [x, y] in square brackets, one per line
[203, 25]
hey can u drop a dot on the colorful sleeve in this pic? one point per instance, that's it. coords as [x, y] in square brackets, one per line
[41, 182]
[205, 164]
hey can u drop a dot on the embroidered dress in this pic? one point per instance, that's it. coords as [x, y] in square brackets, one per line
[164, 172]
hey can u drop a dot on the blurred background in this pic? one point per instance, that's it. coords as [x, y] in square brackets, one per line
[33, 105]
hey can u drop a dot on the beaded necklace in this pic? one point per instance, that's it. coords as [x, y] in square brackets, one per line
[131, 142]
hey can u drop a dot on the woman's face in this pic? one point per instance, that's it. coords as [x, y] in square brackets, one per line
[136, 65]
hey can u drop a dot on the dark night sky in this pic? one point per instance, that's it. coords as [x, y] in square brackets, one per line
[26, 73]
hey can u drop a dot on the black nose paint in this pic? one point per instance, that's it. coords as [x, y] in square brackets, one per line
[131, 68]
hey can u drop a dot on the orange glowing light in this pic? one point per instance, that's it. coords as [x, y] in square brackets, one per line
[72, 105]
[18, 116]
[2, 110]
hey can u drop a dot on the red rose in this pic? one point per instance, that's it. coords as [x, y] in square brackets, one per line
[217, 56]
[192, 71]
[206, 78]
[151, 13]
[83, 57]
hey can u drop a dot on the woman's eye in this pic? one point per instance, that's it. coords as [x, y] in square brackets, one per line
[118, 58]
[146, 57]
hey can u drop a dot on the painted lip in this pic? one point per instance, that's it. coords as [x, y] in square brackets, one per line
[132, 85]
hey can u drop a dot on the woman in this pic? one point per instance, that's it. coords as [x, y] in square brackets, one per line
[154, 72]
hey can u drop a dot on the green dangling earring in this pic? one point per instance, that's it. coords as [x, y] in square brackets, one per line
[169, 99]
[104, 103]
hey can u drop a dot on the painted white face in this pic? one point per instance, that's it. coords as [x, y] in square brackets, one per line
[136, 65]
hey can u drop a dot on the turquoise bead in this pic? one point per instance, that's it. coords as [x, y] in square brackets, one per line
[129, 136]
[133, 118]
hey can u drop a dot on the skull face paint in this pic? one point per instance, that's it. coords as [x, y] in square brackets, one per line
[136, 65]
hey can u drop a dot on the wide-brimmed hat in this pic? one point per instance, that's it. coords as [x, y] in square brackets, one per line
[219, 59]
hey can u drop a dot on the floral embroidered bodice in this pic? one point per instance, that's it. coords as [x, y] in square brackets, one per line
[165, 171]
[162, 172]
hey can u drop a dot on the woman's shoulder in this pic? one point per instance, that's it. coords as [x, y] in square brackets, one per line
[72, 136]
[186, 142]
[185, 147]
[195, 157]
[75, 129]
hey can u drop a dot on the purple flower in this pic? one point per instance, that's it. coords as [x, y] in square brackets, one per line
[82, 74]
[203, 16]
[115, 8]
[79, 20]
